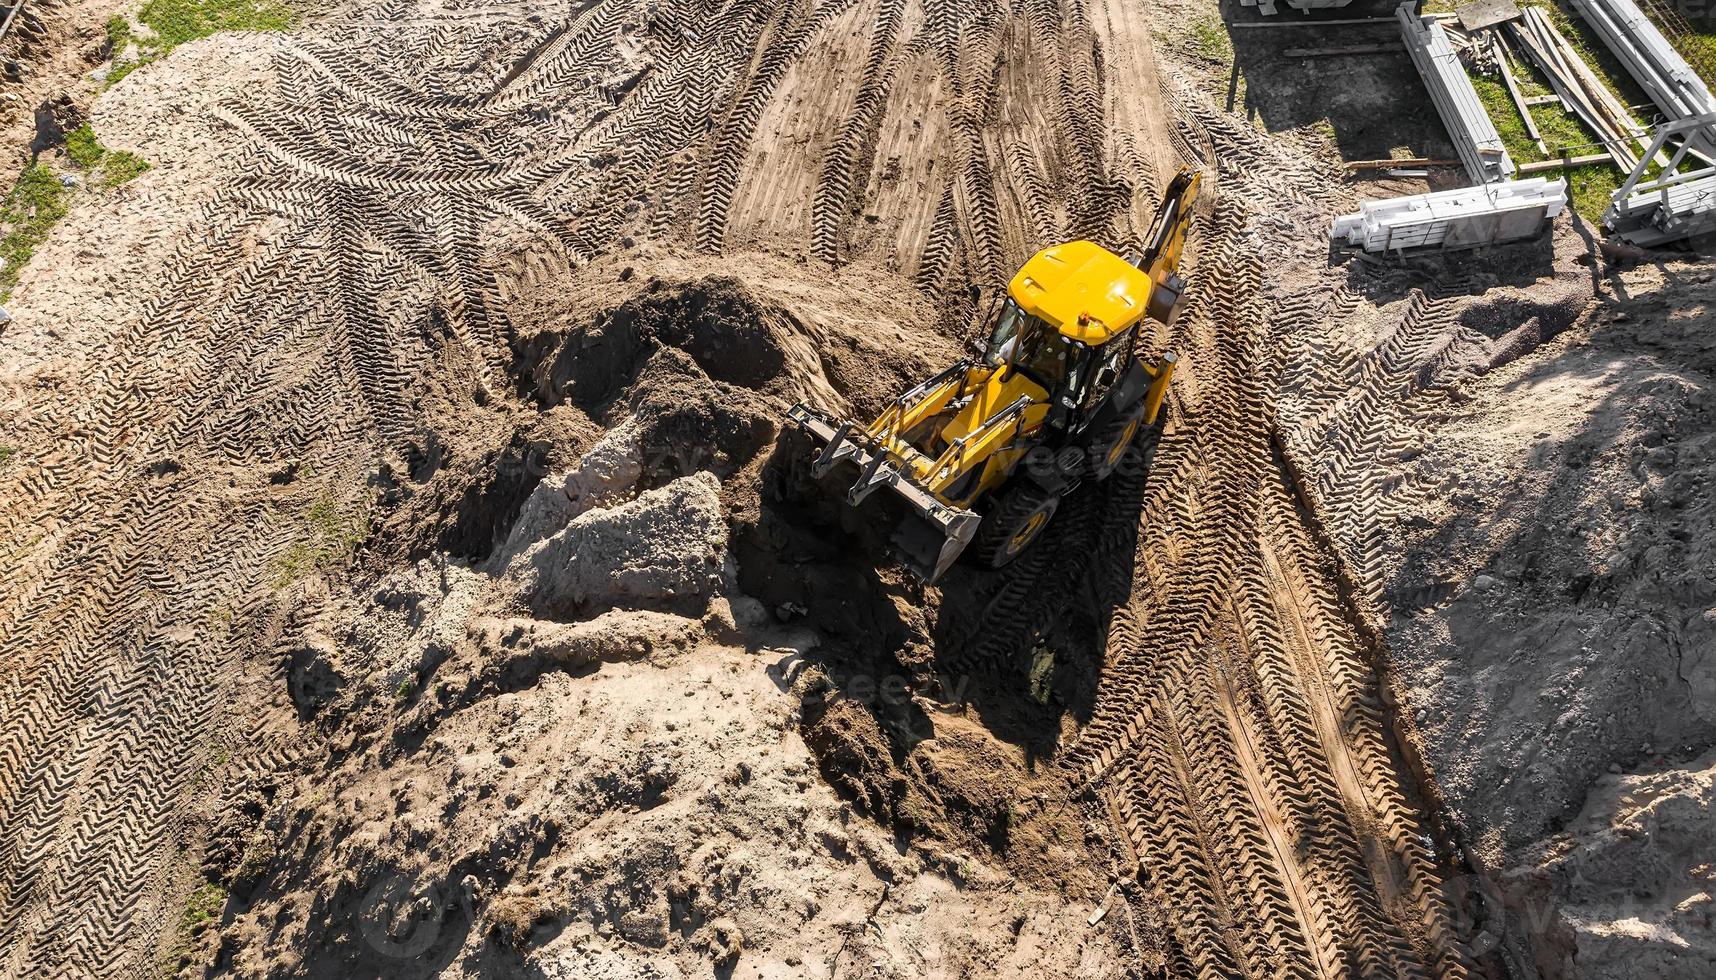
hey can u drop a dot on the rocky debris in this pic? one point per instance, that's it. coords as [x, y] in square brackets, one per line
[603, 477]
[668, 544]
[726, 942]
[1636, 875]
[631, 822]
[517, 649]
[55, 119]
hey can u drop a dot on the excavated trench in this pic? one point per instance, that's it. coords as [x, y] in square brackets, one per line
[701, 371]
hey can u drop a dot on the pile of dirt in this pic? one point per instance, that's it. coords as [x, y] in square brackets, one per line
[1570, 629]
[409, 573]
[1633, 875]
[622, 793]
[582, 755]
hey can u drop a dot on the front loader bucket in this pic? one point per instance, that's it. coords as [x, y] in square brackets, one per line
[928, 534]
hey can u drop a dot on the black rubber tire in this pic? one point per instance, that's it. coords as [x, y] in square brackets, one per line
[1017, 519]
[1107, 446]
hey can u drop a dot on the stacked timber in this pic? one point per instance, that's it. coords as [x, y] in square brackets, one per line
[1578, 87]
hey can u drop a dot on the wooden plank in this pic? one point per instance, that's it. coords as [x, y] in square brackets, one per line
[1486, 13]
[1336, 52]
[1544, 166]
[1514, 93]
[1402, 162]
[1528, 33]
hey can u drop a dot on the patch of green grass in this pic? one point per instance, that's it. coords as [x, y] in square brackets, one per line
[1042, 673]
[111, 167]
[334, 534]
[403, 689]
[120, 71]
[1699, 49]
[174, 22]
[6, 454]
[1209, 38]
[1591, 186]
[83, 148]
[28, 212]
[259, 853]
[120, 167]
[177, 21]
[202, 908]
[118, 34]
[1563, 133]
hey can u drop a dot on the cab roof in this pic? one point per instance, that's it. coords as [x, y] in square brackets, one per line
[1083, 290]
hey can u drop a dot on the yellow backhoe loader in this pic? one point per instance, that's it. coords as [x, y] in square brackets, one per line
[981, 454]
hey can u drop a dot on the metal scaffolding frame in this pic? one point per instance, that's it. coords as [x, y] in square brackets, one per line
[1673, 205]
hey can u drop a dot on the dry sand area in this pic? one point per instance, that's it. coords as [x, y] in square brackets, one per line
[403, 571]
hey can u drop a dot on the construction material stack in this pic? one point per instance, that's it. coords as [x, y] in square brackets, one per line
[1462, 218]
[1475, 138]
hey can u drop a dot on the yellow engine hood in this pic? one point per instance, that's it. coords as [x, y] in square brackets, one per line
[1083, 290]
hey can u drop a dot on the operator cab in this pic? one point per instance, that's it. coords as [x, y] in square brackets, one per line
[1068, 325]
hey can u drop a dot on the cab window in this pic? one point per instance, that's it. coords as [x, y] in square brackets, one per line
[1004, 339]
[1111, 365]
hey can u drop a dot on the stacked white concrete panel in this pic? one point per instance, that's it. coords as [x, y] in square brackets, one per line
[1487, 214]
[1474, 134]
[1267, 7]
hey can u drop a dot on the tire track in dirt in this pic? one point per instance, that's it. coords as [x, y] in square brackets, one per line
[1235, 739]
[1290, 846]
[341, 265]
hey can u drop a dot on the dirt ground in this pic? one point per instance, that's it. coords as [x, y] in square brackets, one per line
[406, 572]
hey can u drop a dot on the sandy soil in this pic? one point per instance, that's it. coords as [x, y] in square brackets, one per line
[405, 572]
[47, 58]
